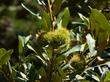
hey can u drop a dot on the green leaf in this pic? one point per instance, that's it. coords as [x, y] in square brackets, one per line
[107, 78]
[59, 60]
[98, 22]
[23, 76]
[19, 79]
[72, 50]
[63, 18]
[6, 57]
[102, 40]
[37, 55]
[28, 9]
[21, 44]
[56, 6]
[78, 77]
[27, 38]
[61, 72]
[84, 19]
[42, 72]
[93, 75]
[31, 48]
[91, 45]
[46, 22]
[2, 52]
[66, 17]
[101, 27]
[48, 51]
[45, 56]
[57, 77]
[10, 68]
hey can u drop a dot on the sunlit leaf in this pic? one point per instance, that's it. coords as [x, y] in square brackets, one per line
[19, 79]
[10, 68]
[91, 44]
[86, 21]
[79, 77]
[27, 38]
[31, 48]
[30, 11]
[92, 75]
[45, 56]
[23, 76]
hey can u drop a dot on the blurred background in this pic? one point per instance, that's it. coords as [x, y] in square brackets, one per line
[15, 20]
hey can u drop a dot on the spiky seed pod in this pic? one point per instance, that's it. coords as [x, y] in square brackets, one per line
[75, 58]
[78, 62]
[64, 34]
[49, 36]
[58, 37]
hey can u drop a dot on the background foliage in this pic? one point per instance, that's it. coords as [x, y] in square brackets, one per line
[54, 40]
